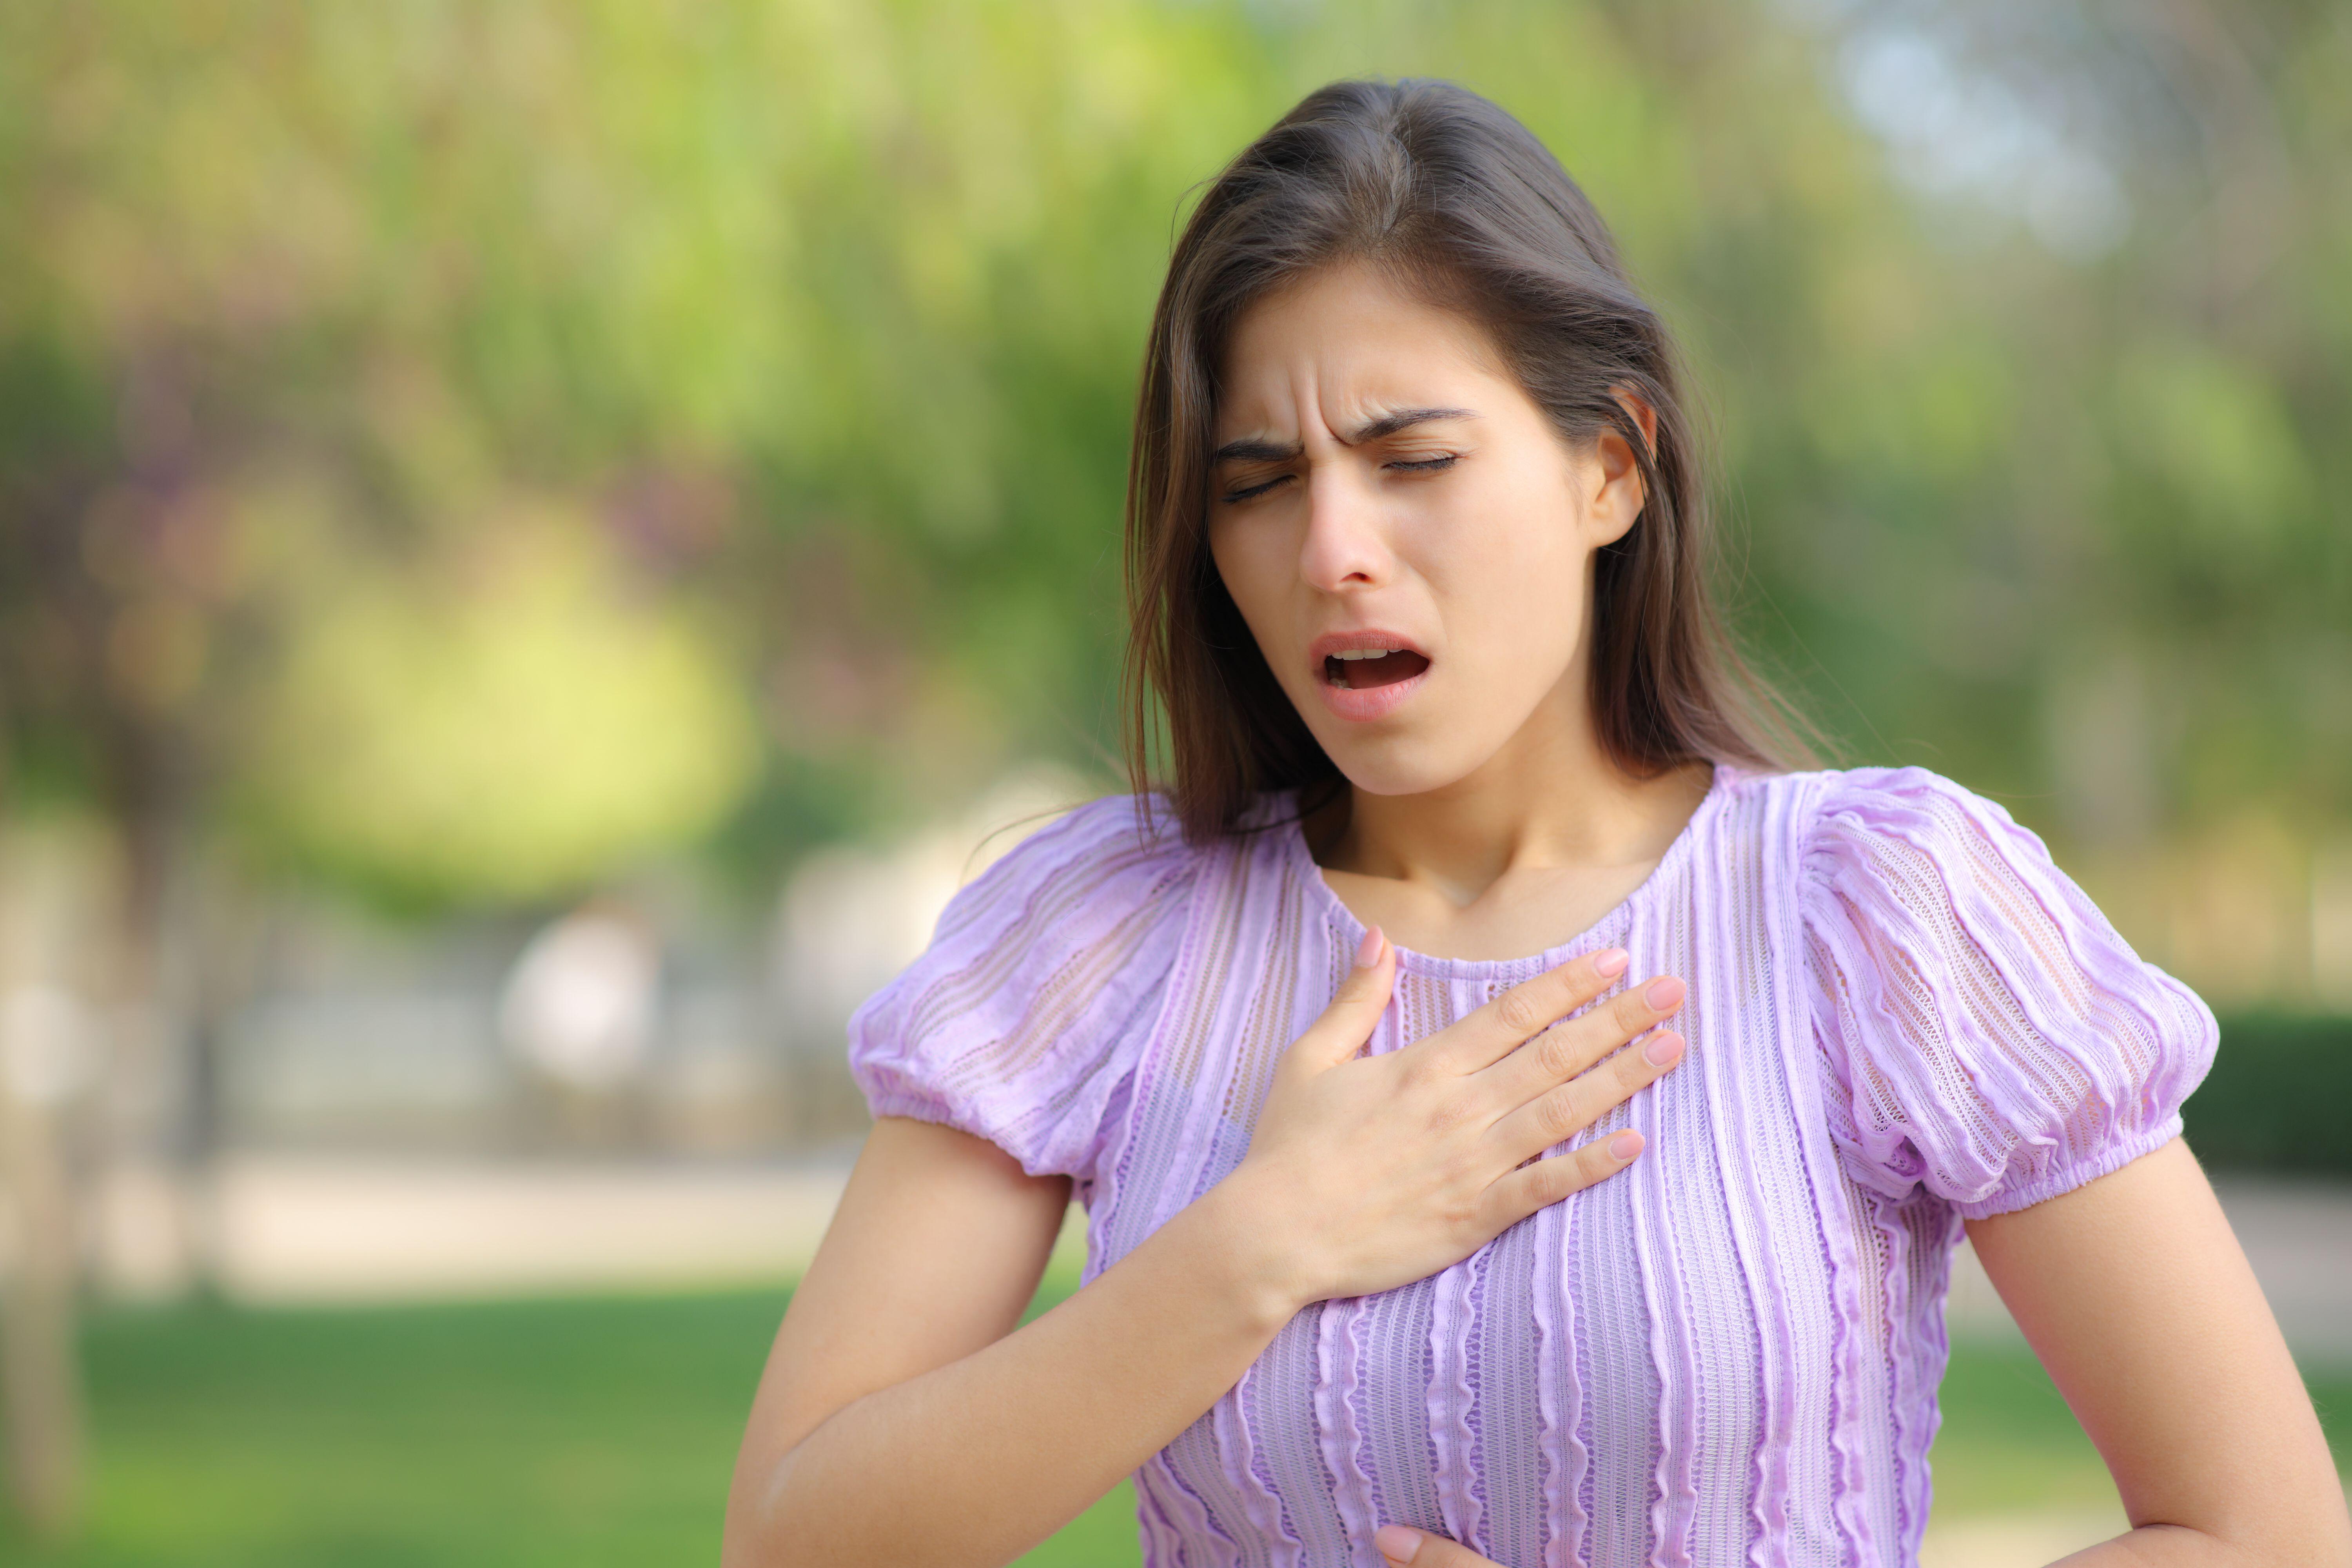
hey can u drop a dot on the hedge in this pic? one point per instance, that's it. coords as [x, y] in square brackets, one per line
[2279, 1097]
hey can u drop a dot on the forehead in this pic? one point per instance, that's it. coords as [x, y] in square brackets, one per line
[1344, 342]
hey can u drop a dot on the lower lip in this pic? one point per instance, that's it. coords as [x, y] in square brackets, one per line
[1362, 704]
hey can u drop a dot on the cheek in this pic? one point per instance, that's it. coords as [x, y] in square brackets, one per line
[1252, 582]
[1511, 569]
[1255, 571]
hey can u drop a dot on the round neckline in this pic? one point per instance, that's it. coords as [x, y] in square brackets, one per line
[1335, 909]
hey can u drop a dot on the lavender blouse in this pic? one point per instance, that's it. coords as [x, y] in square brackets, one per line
[1900, 1014]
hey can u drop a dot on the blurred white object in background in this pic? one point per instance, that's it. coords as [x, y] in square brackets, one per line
[50, 1045]
[579, 1003]
[852, 918]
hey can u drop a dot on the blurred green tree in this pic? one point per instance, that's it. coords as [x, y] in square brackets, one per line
[2025, 326]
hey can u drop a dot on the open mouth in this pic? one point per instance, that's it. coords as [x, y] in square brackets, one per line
[1359, 669]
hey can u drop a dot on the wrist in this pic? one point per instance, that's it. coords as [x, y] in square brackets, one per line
[1251, 1252]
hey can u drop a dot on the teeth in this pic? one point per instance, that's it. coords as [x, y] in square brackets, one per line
[1357, 653]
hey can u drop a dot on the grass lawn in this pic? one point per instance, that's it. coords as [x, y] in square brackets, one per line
[601, 1431]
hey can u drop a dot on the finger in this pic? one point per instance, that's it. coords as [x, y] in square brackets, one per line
[1562, 1113]
[1356, 1006]
[1402, 1543]
[1483, 1037]
[1565, 1049]
[1546, 1182]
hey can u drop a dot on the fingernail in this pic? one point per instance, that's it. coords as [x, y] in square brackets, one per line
[1664, 992]
[1368, 951]
[1397, 1542]
[1664, 1047]
[1610, 962]
[1625, 1145]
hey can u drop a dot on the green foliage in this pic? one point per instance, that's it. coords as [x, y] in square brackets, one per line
[2277, 1097]
[828, 315]
[511, 738]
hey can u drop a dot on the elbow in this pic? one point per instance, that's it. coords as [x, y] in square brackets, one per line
[780, 1515]
[742, 1542]
[755, 1534]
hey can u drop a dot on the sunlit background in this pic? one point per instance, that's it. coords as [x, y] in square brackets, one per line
[539, 542]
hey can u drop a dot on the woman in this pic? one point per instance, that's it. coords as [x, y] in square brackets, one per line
[1417, 558]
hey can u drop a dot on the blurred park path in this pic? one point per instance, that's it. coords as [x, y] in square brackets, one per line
[316, 1228]
[304, 1229]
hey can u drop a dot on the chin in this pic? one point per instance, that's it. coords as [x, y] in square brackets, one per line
[1435, 743]
[1402, 765]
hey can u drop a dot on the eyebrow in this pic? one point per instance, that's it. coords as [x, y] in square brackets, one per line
[1252, 450]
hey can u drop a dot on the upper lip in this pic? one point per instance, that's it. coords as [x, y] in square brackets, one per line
[1373, 637]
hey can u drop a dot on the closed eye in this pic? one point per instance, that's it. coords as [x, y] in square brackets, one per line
[1250, 492]
[1424, 464]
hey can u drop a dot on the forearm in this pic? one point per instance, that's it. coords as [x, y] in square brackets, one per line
[2164, 1546]
[976, 1461]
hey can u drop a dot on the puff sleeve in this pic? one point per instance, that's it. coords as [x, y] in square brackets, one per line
[1023, 1017]
[1984, 1032]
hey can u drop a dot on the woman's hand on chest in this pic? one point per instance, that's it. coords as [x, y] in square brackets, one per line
[1367, 1172]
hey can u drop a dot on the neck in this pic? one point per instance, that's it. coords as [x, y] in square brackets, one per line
[1551, 799]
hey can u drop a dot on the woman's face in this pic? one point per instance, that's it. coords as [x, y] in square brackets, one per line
[1409, 539]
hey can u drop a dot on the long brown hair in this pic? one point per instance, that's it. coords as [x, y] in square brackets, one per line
[1458, 200]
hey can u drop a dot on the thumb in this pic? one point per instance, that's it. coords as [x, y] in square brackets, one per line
[1401, 1543]
[1348, 1021]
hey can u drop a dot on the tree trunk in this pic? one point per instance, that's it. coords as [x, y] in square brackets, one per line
[48, 1059]
[38, 1355]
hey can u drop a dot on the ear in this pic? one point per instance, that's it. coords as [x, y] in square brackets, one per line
[1635, 404]
[1619, 498]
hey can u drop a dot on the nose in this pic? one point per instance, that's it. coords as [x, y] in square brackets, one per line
[1344, 547]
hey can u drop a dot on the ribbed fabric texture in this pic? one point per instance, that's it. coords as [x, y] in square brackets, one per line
[1900, 1014]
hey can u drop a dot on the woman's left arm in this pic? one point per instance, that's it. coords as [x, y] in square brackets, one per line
[2135, 1293]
